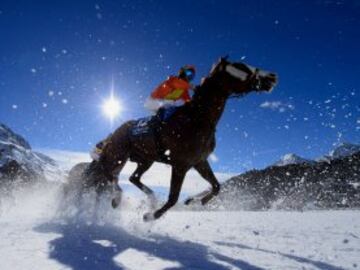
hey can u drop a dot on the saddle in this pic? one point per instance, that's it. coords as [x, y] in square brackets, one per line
[149, 128]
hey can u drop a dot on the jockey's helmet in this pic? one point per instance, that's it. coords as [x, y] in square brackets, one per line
[187, 72]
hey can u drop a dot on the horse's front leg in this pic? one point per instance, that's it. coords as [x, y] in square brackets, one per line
[177, 179]
[206, 172]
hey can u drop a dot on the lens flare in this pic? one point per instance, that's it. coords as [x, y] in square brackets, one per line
[111, 107]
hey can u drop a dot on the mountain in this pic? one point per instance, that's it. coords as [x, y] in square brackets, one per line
[342, 150]
[291, 159]
[319, 185]
[19, 162]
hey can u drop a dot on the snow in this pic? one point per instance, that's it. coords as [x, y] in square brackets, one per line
[31, 234]
[40, 229]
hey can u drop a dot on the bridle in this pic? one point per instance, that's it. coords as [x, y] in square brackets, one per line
[255, 83]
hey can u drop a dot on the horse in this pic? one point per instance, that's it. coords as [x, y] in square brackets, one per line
[185, 141]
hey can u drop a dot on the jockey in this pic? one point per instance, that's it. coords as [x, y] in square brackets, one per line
[172, 93]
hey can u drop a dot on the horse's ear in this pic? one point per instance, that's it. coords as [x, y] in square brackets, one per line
[224, 58]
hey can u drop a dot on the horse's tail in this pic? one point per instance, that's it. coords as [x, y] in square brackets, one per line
[117, 150]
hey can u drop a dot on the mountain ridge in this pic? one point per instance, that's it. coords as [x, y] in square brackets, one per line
[18, 162]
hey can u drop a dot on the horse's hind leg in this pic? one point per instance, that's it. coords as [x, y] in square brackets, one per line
[142, 167]
[206, 172]
[116, 189]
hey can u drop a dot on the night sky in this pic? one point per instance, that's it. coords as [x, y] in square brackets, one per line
[58, 60]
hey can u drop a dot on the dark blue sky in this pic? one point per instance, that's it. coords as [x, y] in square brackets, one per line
[58, 58]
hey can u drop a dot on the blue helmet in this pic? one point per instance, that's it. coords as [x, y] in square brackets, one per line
[187, 72]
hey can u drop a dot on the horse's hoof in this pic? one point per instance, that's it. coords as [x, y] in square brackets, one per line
[148, 217]
[188, 201]
[205, 200]
[115, 202]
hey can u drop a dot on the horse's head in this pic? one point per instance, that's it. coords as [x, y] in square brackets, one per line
[239, 78]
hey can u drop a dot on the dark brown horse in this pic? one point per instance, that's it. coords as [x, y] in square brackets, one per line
[186, 140]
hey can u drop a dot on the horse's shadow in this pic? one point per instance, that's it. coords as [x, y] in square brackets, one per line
[78, 248]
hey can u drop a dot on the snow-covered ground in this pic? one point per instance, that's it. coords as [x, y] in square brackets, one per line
[34, 236]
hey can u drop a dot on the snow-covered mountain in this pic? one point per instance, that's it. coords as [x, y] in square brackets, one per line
[291, 159]
[18, 160]
[344, 149]
[329, 184]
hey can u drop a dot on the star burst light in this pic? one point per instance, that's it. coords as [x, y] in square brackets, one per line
[111, 107]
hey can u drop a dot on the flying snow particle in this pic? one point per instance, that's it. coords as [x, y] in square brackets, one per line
[51, 93]
[44, 105]
[242, 57]
[332, 126]
[358, 121]
[64, 51]
[33, 70]
[60, 93]
[43, 49]
[276, 22]
[64, 101]
[167, 152]
[14, 106]
[97, 7]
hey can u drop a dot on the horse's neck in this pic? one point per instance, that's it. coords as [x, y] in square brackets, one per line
[209, 103]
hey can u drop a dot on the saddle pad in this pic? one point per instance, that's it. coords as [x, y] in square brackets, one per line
[142, 127]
